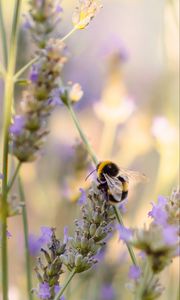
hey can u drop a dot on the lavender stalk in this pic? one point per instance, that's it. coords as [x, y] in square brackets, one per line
[3, 35]
[25, 228]
[14, 177]
[9, 90]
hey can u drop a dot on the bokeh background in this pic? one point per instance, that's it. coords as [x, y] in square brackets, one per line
[127, 63]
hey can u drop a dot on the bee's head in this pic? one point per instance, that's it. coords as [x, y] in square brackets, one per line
[107, 167]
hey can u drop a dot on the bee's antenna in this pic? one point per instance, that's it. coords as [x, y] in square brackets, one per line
[90, 174]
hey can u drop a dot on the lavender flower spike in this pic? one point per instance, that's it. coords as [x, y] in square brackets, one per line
[90, 232]
[28, 132]
[84, 12]
[49, 269]
[43, 17]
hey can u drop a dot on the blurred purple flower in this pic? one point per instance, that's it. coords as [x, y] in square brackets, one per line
[1, 176]
[134, 272]
[100, 255]
[56, 290]
[82, 199]
[107, 292]
[36, 243]
[170, 235]
[55, 97]
[59, 8]
[142, 255]
[158, 212]
[46, 234]
[122, 206]
[27, 23]
[8, 234]
[115, 46]
[65, 235]
[125, 234]
[44, 291]
[18, 125]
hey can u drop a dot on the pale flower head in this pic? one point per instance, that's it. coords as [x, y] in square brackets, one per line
[163, 130]
[119, 113]
[75, 93]
[84, 12]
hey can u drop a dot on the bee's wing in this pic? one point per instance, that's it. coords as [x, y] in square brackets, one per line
[115, 187]
[134, 176]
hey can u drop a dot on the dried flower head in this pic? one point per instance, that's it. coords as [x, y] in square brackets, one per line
[149, 288]
[84, 12]
[90, 232]
[75, 93]
[28, 130]
[42, 19]
[71, 93]
[49, 269]
[173, 208]
[158, 243]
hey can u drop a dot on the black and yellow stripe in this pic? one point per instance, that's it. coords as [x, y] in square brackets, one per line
[101, 166]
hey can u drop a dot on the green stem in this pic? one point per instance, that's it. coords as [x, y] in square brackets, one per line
[23, 69]
[3, 35]
[68, 34]
[8, 97]
[82, 135]
[143, 283]
[95, 160]
[13, 177]
[2, 71]
[120, 221]
[25, 228]
[71, 275]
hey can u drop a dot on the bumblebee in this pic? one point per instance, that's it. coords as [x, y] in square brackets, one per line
[114, 181]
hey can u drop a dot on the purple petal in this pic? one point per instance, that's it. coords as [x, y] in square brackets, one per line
[44, 291]
[59, 9]
[56, 290]
[34, 245]
[65, 235]
[1, 176]
[107, 292]
[134, 272]
[46, 234]
[158, 212]
[142, 254]
[34, 74]
[82, 199]
[18, 125]
[170, 235]
[55, 97]
[122, 206]
[124, 233]
[8, 234]
[115, 46]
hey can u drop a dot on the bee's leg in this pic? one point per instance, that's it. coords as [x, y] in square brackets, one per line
[121, 179]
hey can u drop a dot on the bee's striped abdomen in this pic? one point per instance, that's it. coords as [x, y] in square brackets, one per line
[125, 188]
